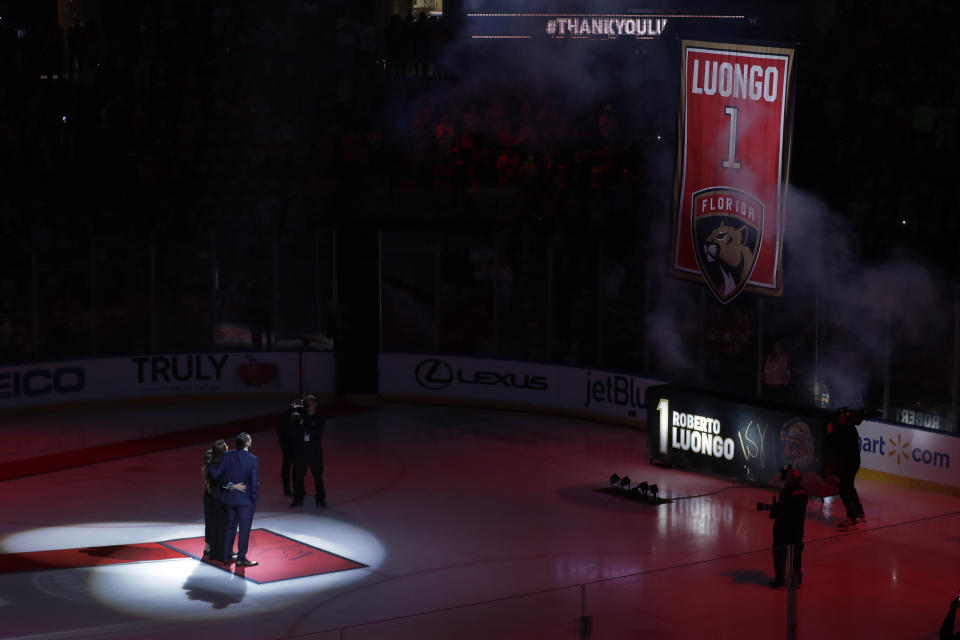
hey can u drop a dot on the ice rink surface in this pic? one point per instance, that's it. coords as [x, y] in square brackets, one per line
[472, 524]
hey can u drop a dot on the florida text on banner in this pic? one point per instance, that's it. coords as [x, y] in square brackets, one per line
[733, 165]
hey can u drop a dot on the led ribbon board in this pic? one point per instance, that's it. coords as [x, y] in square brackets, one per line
[733, 165]
[696, 430]
[593, 25]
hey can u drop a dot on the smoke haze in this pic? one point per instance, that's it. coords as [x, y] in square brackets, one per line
[846, 309]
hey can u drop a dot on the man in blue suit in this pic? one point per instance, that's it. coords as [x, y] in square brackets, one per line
[239, 466]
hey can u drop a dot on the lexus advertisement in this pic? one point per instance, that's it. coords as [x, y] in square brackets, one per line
[558, 389]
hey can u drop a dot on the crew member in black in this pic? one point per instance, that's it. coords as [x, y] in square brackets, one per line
[842, 430]
[788, 514]
[946, 629]
[286, 435]
[308, 452]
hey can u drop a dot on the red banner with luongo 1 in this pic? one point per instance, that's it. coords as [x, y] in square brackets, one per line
[733, 166]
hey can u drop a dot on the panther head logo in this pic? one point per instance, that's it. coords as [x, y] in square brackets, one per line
[727, 239]
[727, 247]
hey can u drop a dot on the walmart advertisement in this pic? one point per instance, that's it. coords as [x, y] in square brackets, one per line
[910, 452]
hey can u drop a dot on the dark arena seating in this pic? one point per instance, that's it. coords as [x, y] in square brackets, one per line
[197, 175]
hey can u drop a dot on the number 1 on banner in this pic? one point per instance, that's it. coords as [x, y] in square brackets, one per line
[663, 408]
[731, 162]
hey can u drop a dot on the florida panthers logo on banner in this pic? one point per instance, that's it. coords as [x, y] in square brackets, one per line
[733, 165]
[727, 226]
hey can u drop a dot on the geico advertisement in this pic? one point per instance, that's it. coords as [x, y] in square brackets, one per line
[168, 375]
[542, 385]
[733, 438]
[41, 383]
[911, 453]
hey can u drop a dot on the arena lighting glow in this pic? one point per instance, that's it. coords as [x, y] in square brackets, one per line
[144, 589]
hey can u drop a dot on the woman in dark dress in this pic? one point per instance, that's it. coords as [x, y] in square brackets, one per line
[214, 514]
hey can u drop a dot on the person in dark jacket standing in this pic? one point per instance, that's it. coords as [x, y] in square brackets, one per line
[308, 453]
[788, 513]
[286, 437]
[946, 629]
[842, 429]
[238, 467]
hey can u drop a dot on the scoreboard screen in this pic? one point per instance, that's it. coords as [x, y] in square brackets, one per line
[751, 442]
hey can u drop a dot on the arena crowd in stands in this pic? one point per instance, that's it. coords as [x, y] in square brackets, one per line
[145, 138]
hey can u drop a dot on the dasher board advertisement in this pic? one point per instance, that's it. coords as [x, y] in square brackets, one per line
[165, 375]
[696, 430]
[733, 166]
[529, 385]
[919, 454]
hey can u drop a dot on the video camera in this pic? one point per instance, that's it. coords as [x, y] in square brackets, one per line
[765, 506]
[772, 505]
[297, 407]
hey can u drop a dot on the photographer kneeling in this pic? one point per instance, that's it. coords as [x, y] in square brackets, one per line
[788, 513]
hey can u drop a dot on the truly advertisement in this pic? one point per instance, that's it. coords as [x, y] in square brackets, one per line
[210, 372]
[165, 375]
[913, 453]
[695, 430]
[550, 387]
